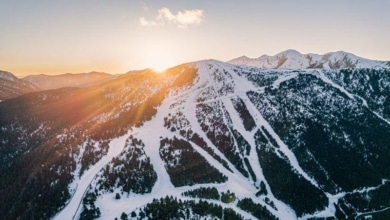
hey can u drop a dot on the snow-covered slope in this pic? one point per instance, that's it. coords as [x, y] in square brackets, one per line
[292, 59]
[204, 140]
[8, 76]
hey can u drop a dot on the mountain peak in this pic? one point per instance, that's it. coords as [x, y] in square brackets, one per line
[7, 75]
[242, 60]
[290, 52]
[243, 57]
[11, 86]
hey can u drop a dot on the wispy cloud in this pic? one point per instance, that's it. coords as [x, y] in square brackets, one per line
[182, 18]
[143, 22]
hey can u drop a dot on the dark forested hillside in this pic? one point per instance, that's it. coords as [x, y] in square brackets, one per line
[45, 135]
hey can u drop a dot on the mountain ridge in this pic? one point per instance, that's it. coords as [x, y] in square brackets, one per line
[46, 82]
[11, 86]
[292, 59]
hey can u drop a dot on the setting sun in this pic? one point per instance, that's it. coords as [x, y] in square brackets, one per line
[159, 56]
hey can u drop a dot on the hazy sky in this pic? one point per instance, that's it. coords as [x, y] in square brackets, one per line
[58, 36]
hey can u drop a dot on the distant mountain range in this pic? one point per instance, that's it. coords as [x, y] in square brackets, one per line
[202, 140]
[45, 82]
[292, 59]
[11, 86]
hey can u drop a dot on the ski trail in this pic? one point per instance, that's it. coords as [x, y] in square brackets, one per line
[150, 134]
[70, 210]
[241, 87]
[283, 147]
[367, 214]
[374, 112]
[237, 183]
[76, 173]
[283, 209]
[325, 79]
[283, 78]
[241, 184]
[244, 86]
[351, 96]
[190, 114]
[380, 117]
[152, 130]
[191, 117]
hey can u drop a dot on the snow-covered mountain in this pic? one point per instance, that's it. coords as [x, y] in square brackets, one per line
[11, 86]
[46, 82]
[292, 59]
[203, 140]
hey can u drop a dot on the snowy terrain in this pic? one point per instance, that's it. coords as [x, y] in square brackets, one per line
[292, 59]
[83, 183]
[186, 101]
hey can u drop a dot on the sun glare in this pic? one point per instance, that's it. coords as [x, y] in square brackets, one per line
[159, 57]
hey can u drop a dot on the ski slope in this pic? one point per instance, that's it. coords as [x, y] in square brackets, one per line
[70, 210]
[186, 101]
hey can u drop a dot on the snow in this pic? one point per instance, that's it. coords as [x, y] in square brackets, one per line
[296, 60]
[237, 183]
[185, 100]
[111, 208]
[242, 86]
[283, 78]
[150, 134]
[375, 113]
[382, 118]
[328, 211]
[322, 76]
[368, 215]
[116, 146]
[327, 80]
[7, 76]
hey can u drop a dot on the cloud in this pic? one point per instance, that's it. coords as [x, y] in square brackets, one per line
[143, 22]
[182, 19]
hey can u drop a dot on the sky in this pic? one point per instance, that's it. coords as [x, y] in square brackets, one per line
[116, 36]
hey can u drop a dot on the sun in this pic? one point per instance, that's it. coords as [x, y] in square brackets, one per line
[160, 57]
